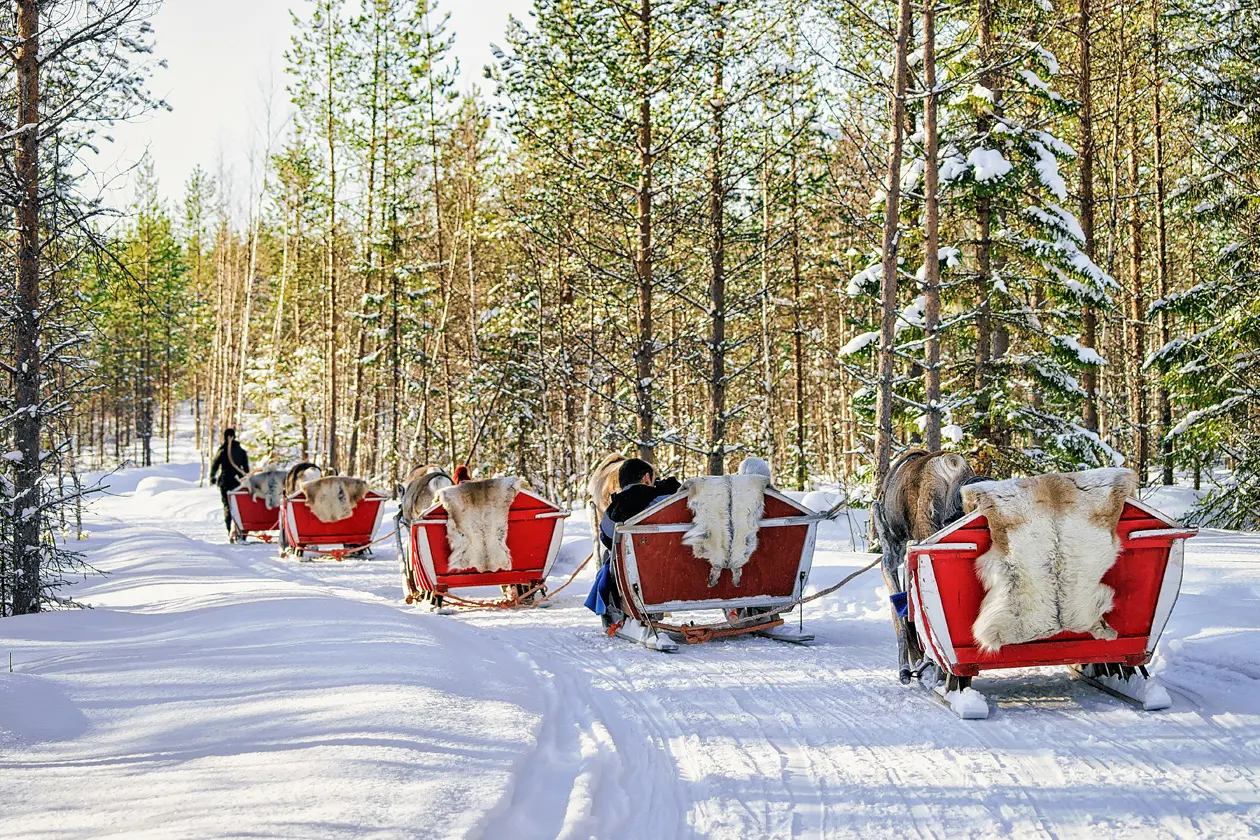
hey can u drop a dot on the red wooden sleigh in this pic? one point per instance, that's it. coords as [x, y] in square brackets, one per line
[657, 573]
[535, 531]
[252, 516]
[301, 531]
[945, 594]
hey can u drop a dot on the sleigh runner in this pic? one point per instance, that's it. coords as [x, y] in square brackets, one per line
[302, 531]
[946, 594]
[535, 530]
[656, 573]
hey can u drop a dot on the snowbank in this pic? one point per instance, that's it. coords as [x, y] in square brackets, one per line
[200, 699]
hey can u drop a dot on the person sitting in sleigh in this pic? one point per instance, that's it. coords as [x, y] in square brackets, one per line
[639, 491]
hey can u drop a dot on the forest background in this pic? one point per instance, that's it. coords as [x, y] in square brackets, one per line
[817, 231]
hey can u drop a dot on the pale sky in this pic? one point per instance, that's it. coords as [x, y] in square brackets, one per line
[225, 59]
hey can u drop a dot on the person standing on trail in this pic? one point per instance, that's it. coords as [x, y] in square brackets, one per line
[230, 463]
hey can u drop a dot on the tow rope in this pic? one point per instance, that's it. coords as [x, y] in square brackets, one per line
[697, 633]
[341, 553]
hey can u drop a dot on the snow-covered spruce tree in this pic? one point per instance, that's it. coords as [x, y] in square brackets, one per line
[73, 70]
[1212, 360]
[1015, 278]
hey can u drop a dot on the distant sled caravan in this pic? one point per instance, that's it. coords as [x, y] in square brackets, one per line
[1058, 570]
[493, 532]
[732, 544]
[334, 516]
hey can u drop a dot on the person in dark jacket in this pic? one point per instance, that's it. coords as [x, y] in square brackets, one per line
[639, 491]
[230, 464]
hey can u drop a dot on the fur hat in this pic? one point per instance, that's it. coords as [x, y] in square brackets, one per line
[755, 466]
[462, 474]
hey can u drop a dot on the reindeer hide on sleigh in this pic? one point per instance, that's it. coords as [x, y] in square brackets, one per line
[333, 498]
[726, 513]
[1054, 537]
[477, 523]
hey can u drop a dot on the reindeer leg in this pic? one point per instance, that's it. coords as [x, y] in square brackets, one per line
[893, 552]
[899, 624]
[714, 574]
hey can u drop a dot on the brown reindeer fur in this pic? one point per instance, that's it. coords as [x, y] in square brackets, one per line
[333, 498]
[423, 485]
[1053, 540]
[297, 474]
[267, 486]
[919, 489]
[920, 495]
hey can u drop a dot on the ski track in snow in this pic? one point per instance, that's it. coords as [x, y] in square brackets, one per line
[222, 691]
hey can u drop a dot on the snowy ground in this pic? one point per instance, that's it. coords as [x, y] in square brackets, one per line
[217, 690]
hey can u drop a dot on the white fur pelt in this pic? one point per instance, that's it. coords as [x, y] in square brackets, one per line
[477, 523]
[267, 486]
[334, 497]
[726, 513]
[1054, 537]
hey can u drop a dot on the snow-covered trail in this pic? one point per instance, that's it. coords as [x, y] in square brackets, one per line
[222, 689]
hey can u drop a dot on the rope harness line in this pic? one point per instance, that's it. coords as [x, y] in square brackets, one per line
[699, 633]
[340, 553]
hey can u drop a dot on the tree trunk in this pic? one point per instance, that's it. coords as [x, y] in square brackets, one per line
[1137, 313]
[984, 257]
[645, 350]
[1088, 152]
[717, 259]
[27, 424]
[333, 312]
[888, 282]
[800, 469]
[767, 292]
[931, 233]
[1161, 241]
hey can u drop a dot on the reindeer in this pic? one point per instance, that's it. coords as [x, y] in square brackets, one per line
[921, 494]
[420, 493]
[297, 475]
[600, 487]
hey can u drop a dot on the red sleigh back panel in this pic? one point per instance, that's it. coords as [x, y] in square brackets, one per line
[1136, 578]
[253, 514]
[305, 529]
[529, 543]
[669, 571]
